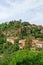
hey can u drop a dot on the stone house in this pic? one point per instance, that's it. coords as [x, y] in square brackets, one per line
[22, 43]
[33, 25]
[12, 39]
[0, 56]
[37, 43]
[41, 31]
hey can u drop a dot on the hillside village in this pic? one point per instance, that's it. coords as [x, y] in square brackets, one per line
[19, 39]
[35, 43]
[22, 33]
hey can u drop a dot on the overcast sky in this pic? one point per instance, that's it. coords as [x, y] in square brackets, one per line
[27, 10]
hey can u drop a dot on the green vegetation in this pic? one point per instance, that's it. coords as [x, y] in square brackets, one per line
[10, 54]
[23, 57]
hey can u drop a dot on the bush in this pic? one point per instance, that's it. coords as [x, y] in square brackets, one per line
[25, 57]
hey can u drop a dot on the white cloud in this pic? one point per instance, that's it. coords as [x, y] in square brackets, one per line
[29, 10]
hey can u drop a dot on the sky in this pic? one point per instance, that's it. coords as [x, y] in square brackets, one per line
[27, 10]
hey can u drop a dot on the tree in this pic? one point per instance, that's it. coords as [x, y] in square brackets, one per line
[29, 40]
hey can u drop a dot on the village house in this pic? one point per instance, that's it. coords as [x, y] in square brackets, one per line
[1, 56]
[7, 23]
[41, 31]
[37, 43]
[12, 39]
[22, 43]
[33, 25]
[4, 33]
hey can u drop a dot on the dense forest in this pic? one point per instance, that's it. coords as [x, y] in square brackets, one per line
[21, 43]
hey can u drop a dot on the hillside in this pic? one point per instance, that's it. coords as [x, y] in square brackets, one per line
[18, 36]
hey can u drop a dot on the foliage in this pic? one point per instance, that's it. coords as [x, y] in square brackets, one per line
[25, 57]
[10, 53]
